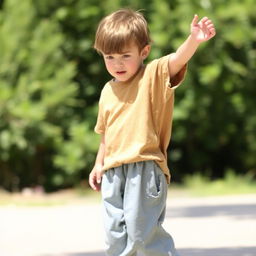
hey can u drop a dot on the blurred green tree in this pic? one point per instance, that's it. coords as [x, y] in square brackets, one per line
[51, 78]
[214, 119]
[38, 99]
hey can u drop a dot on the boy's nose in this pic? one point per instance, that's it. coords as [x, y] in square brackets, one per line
[119, 63]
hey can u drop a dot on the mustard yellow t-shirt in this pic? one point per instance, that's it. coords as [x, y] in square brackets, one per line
[136, 116]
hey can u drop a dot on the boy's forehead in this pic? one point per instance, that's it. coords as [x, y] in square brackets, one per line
[132, 47]
[129, 48]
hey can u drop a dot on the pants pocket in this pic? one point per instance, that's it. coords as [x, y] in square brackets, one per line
[155, 184]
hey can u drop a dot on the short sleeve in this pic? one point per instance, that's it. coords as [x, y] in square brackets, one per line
[178, 78]
[100, 126]
[164, 69]
[162, 86]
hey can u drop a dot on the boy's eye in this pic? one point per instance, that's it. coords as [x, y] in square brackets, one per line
[126, 55]
[109, 57]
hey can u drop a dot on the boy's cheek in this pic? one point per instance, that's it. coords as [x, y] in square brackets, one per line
[108, 67]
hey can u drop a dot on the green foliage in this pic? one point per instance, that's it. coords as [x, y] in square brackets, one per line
[38, 99]
[215, 108]
[75, 154]
[231, 184]
[51, 78]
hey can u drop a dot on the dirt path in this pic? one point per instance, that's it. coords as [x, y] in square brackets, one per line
[212, 226]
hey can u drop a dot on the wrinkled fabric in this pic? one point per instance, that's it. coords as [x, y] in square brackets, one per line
[136, 116]
[134, 198]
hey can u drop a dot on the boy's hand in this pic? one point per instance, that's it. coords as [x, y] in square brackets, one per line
[95, 177]
[203, 30]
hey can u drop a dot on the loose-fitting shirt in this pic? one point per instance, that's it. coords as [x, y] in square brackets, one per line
[136, 116]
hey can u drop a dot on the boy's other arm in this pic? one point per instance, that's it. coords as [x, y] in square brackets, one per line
[199, 32]
[96, 173]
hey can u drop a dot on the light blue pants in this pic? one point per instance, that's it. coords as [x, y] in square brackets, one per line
[134, 197]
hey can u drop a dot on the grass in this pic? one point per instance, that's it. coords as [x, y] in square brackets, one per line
[194, 185]
[31, 199]
[231, 184]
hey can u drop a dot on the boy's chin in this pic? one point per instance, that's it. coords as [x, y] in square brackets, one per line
[121, 80]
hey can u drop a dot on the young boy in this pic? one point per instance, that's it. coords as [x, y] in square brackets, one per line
[134, 120]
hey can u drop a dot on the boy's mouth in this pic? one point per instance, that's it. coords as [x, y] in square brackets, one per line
[121, 72]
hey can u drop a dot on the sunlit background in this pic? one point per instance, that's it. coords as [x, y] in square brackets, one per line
[50, 83]
[51, 78]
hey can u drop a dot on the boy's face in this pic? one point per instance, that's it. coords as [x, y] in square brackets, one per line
[125, 65]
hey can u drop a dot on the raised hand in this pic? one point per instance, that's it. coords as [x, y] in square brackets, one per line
[203, 30]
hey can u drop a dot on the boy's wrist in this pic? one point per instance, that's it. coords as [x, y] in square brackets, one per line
[98, 165]
[193, 39]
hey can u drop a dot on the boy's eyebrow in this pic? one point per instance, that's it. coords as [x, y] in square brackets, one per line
[126, 52]
[117, 53]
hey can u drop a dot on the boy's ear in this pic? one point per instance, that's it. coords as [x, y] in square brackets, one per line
[145, 51]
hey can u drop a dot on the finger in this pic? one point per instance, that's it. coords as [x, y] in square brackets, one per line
[195, 20]
[99, 175]
[210, 26]
[92, 182]
[212, 32]
[206, 25]
[204, 20]
[97, 187]
[208, 22]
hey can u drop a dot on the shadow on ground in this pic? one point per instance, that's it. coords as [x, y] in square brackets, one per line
[239, 251]
[247, 211]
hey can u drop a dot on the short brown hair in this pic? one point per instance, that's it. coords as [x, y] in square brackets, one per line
[119, 29]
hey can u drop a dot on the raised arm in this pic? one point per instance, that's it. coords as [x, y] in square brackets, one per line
[96, 173]
[201, 31]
